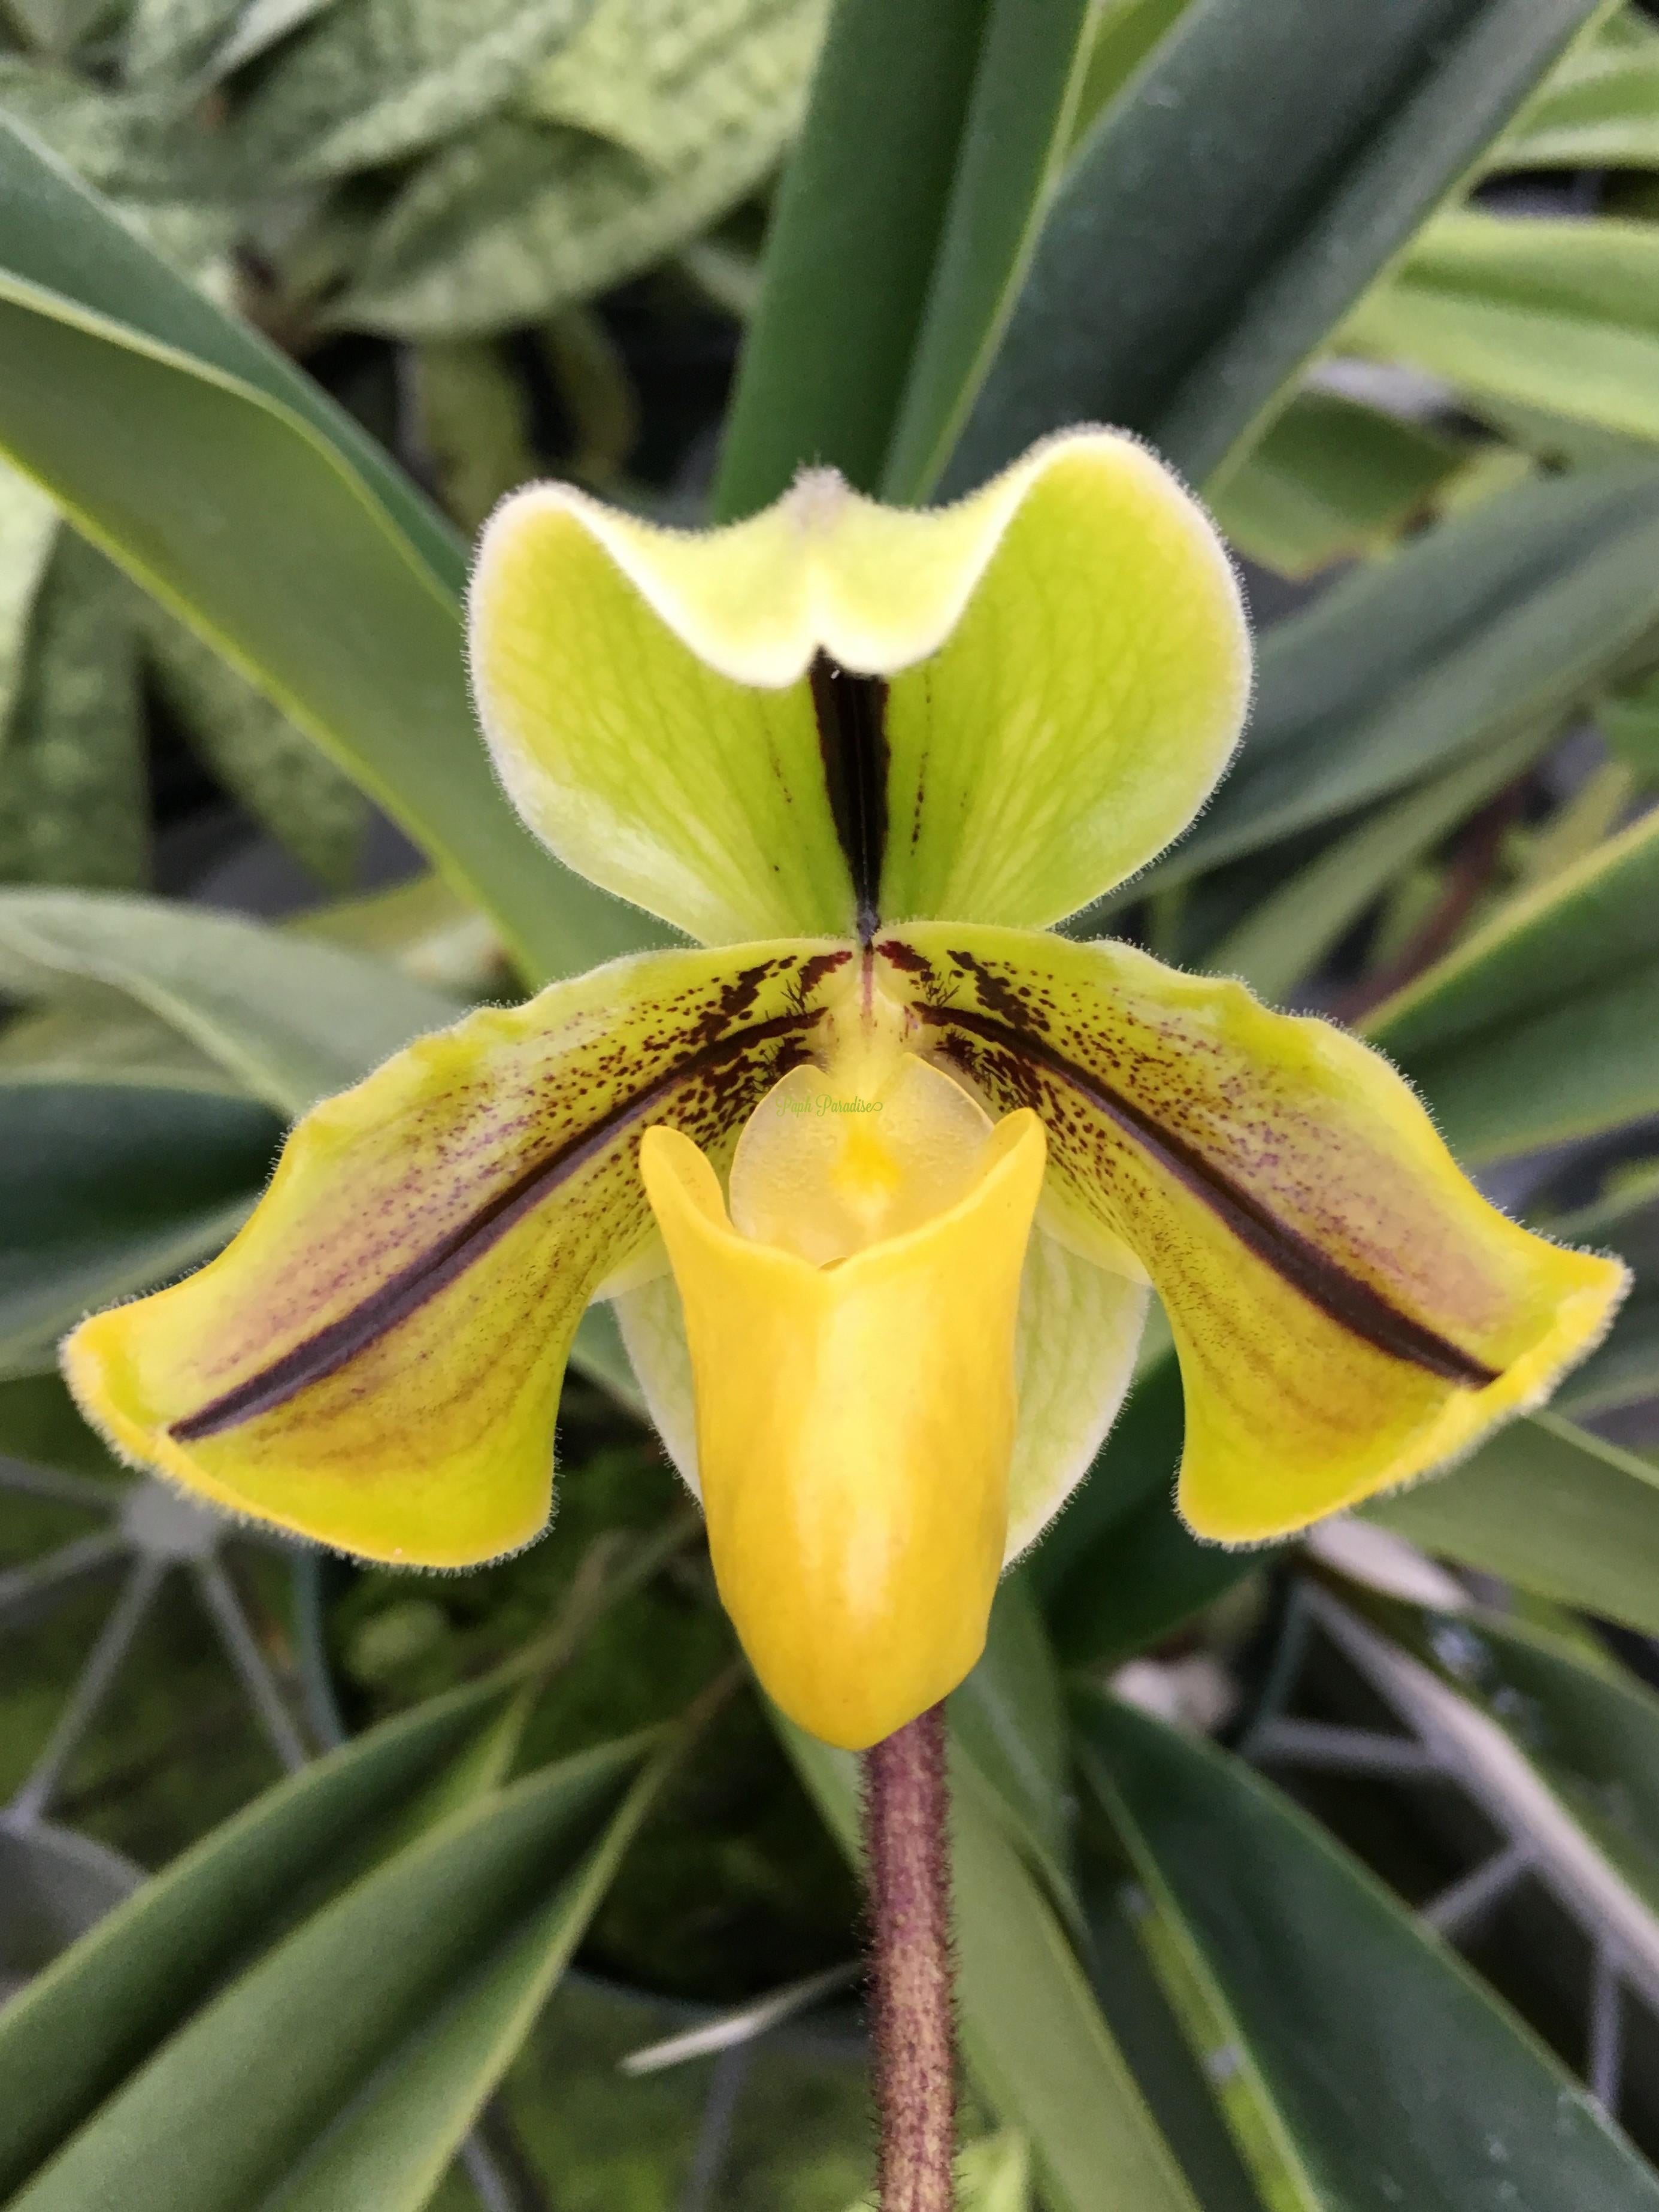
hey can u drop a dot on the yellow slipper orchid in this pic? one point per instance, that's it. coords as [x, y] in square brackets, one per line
[880, 1180]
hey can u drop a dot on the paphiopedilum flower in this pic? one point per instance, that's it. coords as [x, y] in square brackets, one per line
[880, 1177]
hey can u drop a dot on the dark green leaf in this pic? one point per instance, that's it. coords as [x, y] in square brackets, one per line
[107, 1188]
[1388, 2074]
[337, 2016]
[1191, 264]
[256, 510]
[107, 2004]
[1550, 1507]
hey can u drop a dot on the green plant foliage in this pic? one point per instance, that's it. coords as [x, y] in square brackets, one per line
[1184, 316]
[352, 2023]
[1555, 995]
[110, 1188]
[1602, 114]
[1552, 1507]
[319, 524]
[512, 221]
[1484, 627]
[1552, 313]
[428, 70]
[902, 228]
[291, 1019]
[1368, 2066]
[72, 798]
[1329, 478]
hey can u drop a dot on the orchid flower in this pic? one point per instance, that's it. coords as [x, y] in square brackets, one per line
[880, 1171]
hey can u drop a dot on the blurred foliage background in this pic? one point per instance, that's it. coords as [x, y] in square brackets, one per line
[291, 291]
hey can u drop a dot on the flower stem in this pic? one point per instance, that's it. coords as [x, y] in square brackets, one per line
[906, 1856]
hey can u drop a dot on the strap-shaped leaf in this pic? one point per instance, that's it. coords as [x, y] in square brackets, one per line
[258, 512]
[1031, 2032]
[1481, 627]
[348, 2002]
[1317, 1980]
[904, 219]
[1184, 276]
[100, 2010]
[107, 1187]
[1544, 1024]
[289, 1018]
[1546, 313]
[1550, 1506]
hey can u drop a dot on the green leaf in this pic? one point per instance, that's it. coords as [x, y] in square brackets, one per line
[854, 236]
[1590, 1729]
[294, 1019]
[87, 2023]
[73, 798]
[1032, 2034]
[905, 220]
[259, 25]
[1324, 1984]
[475, 424]
[1550, 1507]
[1149, 1577]
[1624, 1370]
[1604, 115]
[1330, 478]
[390, 2147]
[1545, 1024]
[1009, 1718]
[381, 79]
[259, 513]
[516, 219]
[1283, 939]
[256, 751]
[1558, 313]
[334, 2022]
[138, 147]
[1629, 723]
[28, 531]
[108, 1188]
[167, 40]
[1186, 273]
[1017, 123]
[1485, 626]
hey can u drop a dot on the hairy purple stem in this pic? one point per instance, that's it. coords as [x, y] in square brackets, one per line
[906, 1801]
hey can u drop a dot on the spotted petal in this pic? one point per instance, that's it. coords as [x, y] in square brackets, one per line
[375, 1361]
[835, 711]
[1349, 1311]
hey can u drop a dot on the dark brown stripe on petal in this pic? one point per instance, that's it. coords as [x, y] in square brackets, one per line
[851, 718]
[434, 1269]
[1295, 1258]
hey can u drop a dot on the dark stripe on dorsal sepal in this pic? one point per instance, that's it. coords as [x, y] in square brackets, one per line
[852, 719]
[432, 1271]
[1355, 1304]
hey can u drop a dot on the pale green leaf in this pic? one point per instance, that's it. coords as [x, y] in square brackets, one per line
[294, 1019]
[1604, 115]
[514, 220]
[1283, 939]
[261, 514]
[259, 25]
[1629, 722]
[377, 79]
[1330, 478]
[29, 529]
[1485, 626]
[1557, 312]
[1545, 1024]
[1550, 1507]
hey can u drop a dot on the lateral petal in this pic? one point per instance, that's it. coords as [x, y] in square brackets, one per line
[835, 710]
[1349, 1312]
[375, 1360]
